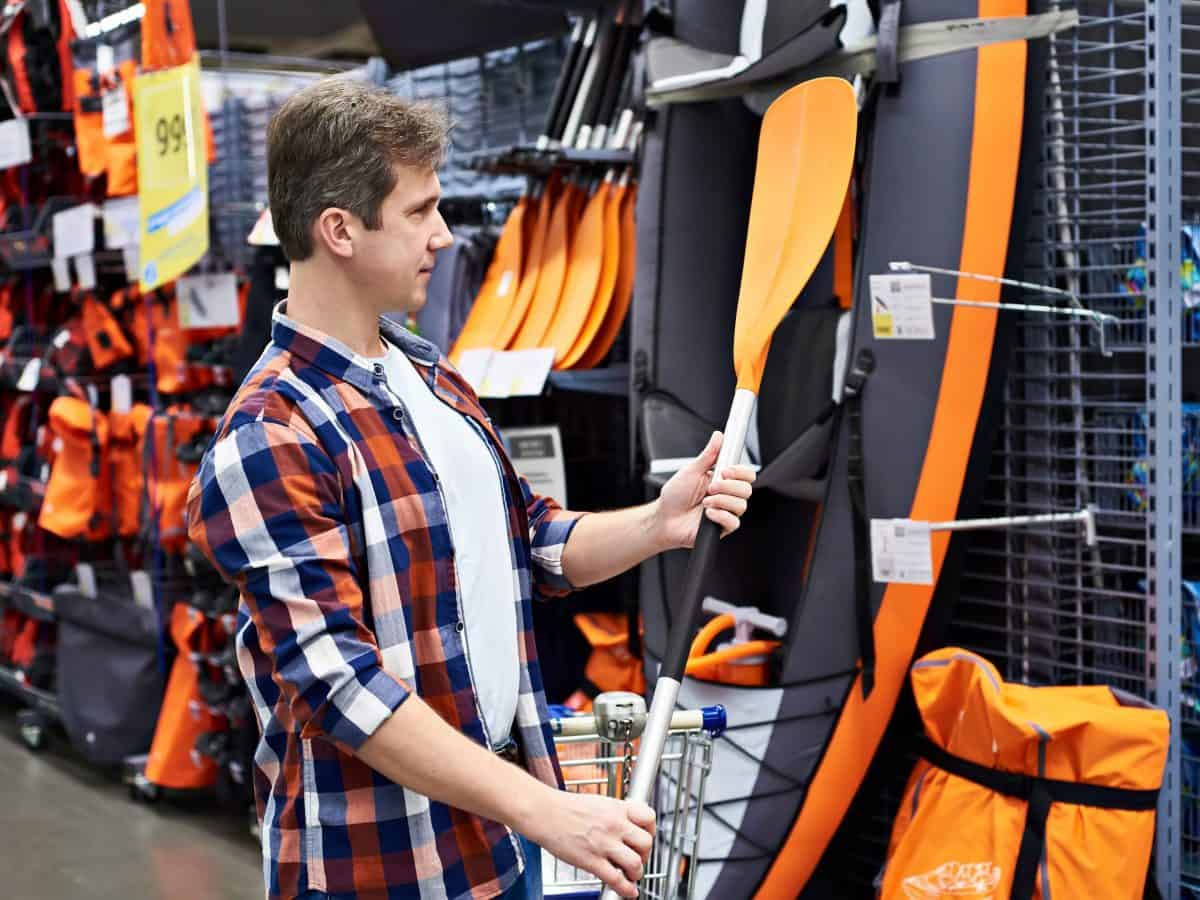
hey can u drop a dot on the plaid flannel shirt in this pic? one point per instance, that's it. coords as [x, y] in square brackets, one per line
[316, 499]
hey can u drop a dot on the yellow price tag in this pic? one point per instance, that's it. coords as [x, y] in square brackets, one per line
[883, 324]
[172, 172]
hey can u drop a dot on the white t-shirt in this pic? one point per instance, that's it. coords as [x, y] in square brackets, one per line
[478, 521]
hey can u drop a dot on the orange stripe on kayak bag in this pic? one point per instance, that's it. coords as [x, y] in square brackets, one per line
[995, 156]
[843, 255]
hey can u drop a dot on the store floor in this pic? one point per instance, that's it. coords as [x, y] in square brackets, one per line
[70, 832]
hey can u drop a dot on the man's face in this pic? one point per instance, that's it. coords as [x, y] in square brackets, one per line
[394, 262]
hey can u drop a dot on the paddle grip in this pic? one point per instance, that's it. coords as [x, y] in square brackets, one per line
[560, 87]
[704, 552]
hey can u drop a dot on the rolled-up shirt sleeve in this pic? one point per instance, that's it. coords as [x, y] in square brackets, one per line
[266, 509]
[550, 528]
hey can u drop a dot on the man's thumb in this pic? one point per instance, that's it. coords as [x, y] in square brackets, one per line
[708, 456]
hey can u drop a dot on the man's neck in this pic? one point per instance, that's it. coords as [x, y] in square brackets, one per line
[326, 303]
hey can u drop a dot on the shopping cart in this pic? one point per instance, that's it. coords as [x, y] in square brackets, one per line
[597, 753]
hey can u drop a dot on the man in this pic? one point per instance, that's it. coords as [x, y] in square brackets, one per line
[387, 553]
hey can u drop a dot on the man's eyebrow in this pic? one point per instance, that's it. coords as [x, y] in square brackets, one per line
[431, 200]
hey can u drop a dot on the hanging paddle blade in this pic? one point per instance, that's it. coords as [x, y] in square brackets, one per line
[805, 154]
[623, 291]
[583, 277]
[530, 271]
[499, 285]
[553, 271]
[606, 286]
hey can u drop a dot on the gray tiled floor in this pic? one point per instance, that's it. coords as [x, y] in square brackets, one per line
[68, 831]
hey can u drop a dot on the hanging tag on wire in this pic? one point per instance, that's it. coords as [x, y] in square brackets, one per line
[85, 270]
[122, 394]
[62, 275]
[30, 376]
[16, 149]
[114, 106]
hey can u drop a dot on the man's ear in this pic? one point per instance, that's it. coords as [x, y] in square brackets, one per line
[333, 228]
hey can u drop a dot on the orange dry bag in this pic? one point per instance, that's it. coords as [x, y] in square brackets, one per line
[1025, 792]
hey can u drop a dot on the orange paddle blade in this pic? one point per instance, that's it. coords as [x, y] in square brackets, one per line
[614, 318]
[499, 285]
[805, 154]
[553, 272]
[583, 277]
[608, 278]
[530, 273]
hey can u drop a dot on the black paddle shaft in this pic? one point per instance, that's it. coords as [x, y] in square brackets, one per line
[700, 565]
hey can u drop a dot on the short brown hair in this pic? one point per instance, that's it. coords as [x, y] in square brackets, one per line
[334, 144]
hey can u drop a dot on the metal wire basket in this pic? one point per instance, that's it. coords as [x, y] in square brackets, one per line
[597, 753]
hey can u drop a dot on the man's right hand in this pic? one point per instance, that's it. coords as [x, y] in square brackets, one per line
[609, 838]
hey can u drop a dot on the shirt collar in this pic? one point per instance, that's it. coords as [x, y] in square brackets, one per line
[335, 358]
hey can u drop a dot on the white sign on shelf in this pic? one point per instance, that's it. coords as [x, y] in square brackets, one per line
[901, 551]
[263, 232]
[537, 454]
[15, 147]
[902, 307]
[473, 366]
[74, 231]
[208, 301]
[122, 394]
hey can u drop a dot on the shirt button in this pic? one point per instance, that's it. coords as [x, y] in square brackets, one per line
[398, 414]
[460, 627]
[378, 369]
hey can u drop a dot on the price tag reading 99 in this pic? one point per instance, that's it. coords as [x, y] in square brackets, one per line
[171, 134]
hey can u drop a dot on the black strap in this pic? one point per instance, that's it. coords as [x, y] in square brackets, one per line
[856, 381]
[1039, 794]
[887, 48]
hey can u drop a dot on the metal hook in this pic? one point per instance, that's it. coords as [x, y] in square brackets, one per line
[1098, 319]
[1085, 516]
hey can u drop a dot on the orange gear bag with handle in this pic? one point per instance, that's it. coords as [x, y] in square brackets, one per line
[1025, 792]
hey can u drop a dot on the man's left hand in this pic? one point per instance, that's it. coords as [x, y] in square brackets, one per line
[722, 496]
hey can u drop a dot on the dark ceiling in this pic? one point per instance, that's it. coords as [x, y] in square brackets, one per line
[407, 33]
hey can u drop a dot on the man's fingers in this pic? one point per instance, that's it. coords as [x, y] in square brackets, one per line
[628, 861]
[614, 878]
[641, 815]
[728, 521]
[740, 473]
[731, 488]
[735, 505]
[641, 841]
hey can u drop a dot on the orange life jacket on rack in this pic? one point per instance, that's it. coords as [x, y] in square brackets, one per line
[37, 56]
[126, 442]
[106, 341]
[168, 476]
[78, 500]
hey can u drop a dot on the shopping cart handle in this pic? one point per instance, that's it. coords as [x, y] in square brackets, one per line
[714, 720]
[710, 719]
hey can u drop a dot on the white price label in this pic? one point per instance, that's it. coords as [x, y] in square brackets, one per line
[114, 107]
[62, 275]
[901, 551]
[208, 301]
[15, 147]
[122, 394]
[122, 224]
[132, 257]
[105, 58]
[74, 231]
[902, 307]
[30, 376]
[85, 271]
[263, 232]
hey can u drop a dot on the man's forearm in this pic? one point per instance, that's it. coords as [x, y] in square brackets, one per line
[416, 748]
[603, 545]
